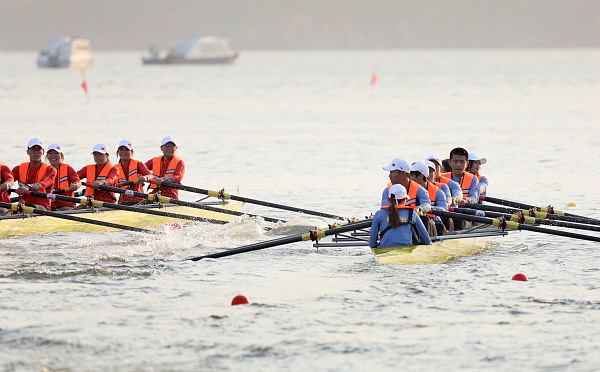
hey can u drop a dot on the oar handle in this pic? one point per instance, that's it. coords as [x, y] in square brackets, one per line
[548, 209]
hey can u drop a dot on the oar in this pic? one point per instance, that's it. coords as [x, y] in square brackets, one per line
[502, 223]
[223, 195]
[100, 204]
[533, 213]
[16, 207]
[155, 198]
[521, 218]
[312, 235]
[513, 204]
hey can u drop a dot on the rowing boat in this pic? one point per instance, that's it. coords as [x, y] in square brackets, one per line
[456, 244]
[26, 224]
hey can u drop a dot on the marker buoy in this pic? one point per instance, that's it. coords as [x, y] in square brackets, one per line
[239, 300]
[571, 204]
[176, 226]
[520, 277]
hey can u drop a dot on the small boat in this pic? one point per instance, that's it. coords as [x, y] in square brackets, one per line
[196, 50]
[66, 52]
[26, 224]
[455, 244]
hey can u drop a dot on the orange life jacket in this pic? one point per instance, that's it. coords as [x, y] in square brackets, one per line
[62, 178]
[24, 169]
[478, 177]
[411, 193]
[443, 179]
[170, 171]
[465, 182]
[132, 175]
[91, 176]
[432, 191]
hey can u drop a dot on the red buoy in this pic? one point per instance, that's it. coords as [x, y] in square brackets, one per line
[239, 300]
[176, 226]
[520, 277]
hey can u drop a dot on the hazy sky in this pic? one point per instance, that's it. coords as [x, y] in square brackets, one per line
[276, 24]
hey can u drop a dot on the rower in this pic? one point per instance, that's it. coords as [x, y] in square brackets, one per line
[450, 188]
[419, 174]
[100, 173]
[66, 178]
[447, 221]
[475, 163]
[34, 175]
[167, 167]
[131, 170]
[469, 185]
[6, 182]
[397, 225]
[400, 174]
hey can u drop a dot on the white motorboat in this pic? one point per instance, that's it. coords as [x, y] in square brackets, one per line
[196, 50]
[66, 52]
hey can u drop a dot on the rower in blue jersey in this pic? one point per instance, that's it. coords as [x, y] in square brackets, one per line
[433, 168]
[419, 174]
[395, 224]
[450, 188]
[469, 185]
[475, 163]
[400, 175]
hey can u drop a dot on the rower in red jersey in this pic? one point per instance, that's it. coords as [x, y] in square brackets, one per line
[66, 177]
[6, 182]
[34, 175]
[100, 173]
[131, 170]
[168, 167]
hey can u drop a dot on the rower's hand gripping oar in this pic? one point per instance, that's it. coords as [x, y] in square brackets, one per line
[156, 198]
[99, 204]
[549, 209]
[223, 196]
[312, 235]
[503, 224]
[20, 208]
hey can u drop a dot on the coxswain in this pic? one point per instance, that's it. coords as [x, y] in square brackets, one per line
[400, 174]
[419, 174]
[168, 167]
[131, 170]
[34, 175]
[66, 179]
[475, 163]
[6, 182]
[395, 224]
[102, 172]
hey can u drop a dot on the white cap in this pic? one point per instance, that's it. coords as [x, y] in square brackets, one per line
[100, 147]
[435, 159]
[126, 143]
[168, 139]
[35, 142]
[421, 167]
[473, 156]
[56, 147]
[398, 191]
[398, 164]
[430, 164]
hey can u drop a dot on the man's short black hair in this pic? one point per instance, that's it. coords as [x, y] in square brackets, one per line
[459, 151]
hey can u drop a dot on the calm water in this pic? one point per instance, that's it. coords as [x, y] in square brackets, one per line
[307, 129]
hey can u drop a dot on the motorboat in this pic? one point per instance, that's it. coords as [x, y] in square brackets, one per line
[66, 52]
[195, 50]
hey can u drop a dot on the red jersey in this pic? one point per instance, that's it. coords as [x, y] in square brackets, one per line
[28, 175]
[174, 168]
[65, 176]
[126, 174]
[111, 180]
[5, 176]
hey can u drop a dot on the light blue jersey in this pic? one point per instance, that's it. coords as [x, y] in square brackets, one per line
[446, 190]
[400, 236]
[483, 184]
[473, 189]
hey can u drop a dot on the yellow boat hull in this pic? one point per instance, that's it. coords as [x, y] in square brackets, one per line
[435, 253]
[36, 224]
